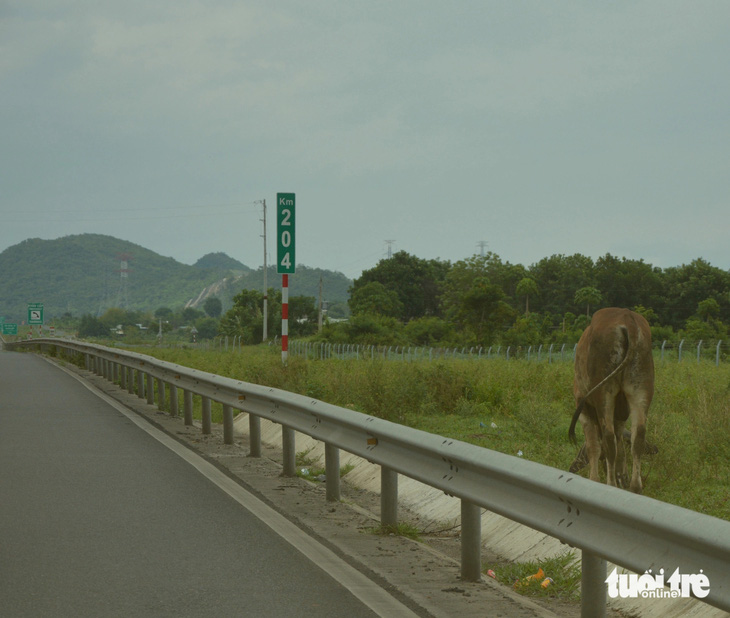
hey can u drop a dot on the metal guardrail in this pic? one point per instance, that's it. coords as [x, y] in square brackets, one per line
[605, 523]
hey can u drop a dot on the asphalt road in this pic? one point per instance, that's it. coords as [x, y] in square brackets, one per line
[98, 517]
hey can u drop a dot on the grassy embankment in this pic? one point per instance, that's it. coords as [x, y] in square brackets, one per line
[513, 407]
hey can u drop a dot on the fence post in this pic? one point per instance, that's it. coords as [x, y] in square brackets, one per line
[332, 472]
[388, 497]
[699, 347]
[592, 586]
[664, 343]
[471, 542]
[717, 354]
[679, 359]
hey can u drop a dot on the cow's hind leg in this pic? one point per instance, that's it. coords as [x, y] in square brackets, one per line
[606, 417]
[639, 407]
[620, 414]
[622, 471]
[592, 445]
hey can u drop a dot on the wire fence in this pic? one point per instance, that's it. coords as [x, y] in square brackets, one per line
[669, 351]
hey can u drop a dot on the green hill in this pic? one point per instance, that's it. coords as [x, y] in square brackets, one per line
[83, 274]
[221, 261]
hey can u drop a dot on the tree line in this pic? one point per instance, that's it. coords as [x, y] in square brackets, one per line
[484, 300]
[479, 301]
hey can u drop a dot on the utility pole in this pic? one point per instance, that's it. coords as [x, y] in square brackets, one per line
[319, 321]
[482, 244]
[266, 285]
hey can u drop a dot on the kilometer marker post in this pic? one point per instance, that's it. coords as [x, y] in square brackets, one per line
[285, 259]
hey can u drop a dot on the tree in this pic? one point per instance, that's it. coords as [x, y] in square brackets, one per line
[213, 306]
[92, 327]
[207, 328]
[527, 287]
[416, 282]
[558, 277]
[190, 315]
[246, 317]
[588, 296]
[708, 308]
[375, 299]
[303, 316]
[480, 310]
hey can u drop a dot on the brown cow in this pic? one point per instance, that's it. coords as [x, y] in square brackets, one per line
[614, 379]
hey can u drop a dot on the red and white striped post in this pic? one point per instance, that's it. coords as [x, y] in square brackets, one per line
[284, 318]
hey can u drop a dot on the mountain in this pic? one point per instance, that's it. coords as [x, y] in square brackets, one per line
[89, 273]
[221, 261]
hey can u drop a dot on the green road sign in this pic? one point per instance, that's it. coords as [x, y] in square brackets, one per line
[10, 329]
[35, 313]
[285, 254]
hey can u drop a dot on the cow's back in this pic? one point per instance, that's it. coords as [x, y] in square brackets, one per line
[612, 333]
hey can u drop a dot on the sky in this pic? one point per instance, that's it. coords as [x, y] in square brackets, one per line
[523, 128]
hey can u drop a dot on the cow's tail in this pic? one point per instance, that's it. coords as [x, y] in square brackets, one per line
[581, 403]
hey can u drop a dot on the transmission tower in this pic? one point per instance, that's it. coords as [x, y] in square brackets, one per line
[390, 247]
[124, 270]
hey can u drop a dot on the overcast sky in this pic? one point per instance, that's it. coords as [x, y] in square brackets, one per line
[536, 127]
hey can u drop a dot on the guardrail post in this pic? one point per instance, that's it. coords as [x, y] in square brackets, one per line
[130, 380]
[160, 394]
[150, 389]
[188, 407]
[388, 497]
[592, 586]
[205, 404]
[140, 384]
[288, 447]
[227, 424]
[254, 435]
[332, 472]
[174, 409]
[471, 542]
[123, 377]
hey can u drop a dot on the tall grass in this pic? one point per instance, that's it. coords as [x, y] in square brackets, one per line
[520, 408]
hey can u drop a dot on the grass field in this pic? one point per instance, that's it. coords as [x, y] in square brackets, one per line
[517, 407]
